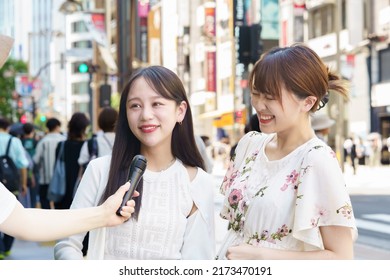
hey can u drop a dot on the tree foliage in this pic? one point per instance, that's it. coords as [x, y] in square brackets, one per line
[7, 84]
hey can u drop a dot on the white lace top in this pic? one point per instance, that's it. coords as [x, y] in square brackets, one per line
[159, 232]
[282, 203]
[163, 230]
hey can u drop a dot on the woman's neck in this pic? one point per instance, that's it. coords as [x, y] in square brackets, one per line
[284, 143]
[158, 159]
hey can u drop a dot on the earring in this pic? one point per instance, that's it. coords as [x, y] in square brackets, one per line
[180, 123]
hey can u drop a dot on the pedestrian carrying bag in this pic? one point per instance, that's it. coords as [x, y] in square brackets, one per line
[9, 173]
[57, 185]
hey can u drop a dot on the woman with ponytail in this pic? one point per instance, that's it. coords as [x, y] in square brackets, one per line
[285, 195]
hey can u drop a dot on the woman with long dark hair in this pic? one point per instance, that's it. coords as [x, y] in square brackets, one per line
[174, 217]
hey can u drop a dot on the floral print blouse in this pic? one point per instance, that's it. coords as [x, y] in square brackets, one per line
[282, 203]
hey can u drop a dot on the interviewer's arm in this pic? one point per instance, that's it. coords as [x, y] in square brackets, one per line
[45, 224]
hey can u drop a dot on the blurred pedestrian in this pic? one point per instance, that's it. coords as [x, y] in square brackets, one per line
[208, 162]
[285, 195]
[375, 147]
[30, 143]
[45, 157]
[77, 127]
[321, 124]
[102, 143]
[361, 151]
[176, 217]
[17, 154]
[350, 152]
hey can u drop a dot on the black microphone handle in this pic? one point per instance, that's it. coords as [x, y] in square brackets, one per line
[136, 170]
[134, 181]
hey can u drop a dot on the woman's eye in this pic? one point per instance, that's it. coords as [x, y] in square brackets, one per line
[134, 106]
[157, 104]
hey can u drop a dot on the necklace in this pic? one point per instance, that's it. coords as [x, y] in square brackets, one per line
[169, 165]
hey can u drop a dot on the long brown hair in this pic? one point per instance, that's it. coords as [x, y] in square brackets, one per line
[126, 145]
[299, 69]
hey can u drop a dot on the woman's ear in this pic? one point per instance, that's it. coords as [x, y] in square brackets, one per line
[309, 103]
[182, 109]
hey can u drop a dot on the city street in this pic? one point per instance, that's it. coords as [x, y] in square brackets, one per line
[370, 194]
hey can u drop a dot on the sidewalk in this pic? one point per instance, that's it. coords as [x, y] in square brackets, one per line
[368, 180]
[26, 250]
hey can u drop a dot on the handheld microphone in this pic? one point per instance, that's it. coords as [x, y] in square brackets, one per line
[136, 170]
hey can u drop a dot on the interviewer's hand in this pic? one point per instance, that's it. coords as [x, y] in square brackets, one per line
[111, 205]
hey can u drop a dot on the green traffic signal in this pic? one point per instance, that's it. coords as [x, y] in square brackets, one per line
[42, 118]
[83, 68]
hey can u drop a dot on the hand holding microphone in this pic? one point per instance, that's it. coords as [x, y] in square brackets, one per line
[136, 170]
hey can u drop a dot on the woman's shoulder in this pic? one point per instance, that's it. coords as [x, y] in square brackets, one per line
[318, 151]
[201, 188]
[196, 173]
[252, 138]
[249, 142]
[101, 162]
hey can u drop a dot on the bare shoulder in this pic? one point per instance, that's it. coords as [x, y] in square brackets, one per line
[192, 171]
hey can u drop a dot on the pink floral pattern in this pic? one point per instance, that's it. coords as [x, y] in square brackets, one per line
[291, 180]
[237, 201]
[235, 197]
[265, 235]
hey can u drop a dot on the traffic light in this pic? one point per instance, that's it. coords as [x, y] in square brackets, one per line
[250, 46]
[244, 45]
[256, 43]
[42, 118]
[83, 68]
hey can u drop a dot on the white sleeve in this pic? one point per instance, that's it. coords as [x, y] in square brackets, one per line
[199, 236]
[84, 154]
[198, 244]
[322, 198]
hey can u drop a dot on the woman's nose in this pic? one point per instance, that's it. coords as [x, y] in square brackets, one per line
[258, 103]
[147, 113]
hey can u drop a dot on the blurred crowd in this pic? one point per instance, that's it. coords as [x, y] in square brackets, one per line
[372, 150]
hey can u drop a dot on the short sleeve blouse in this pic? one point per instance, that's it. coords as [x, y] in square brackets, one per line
[282, 203]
